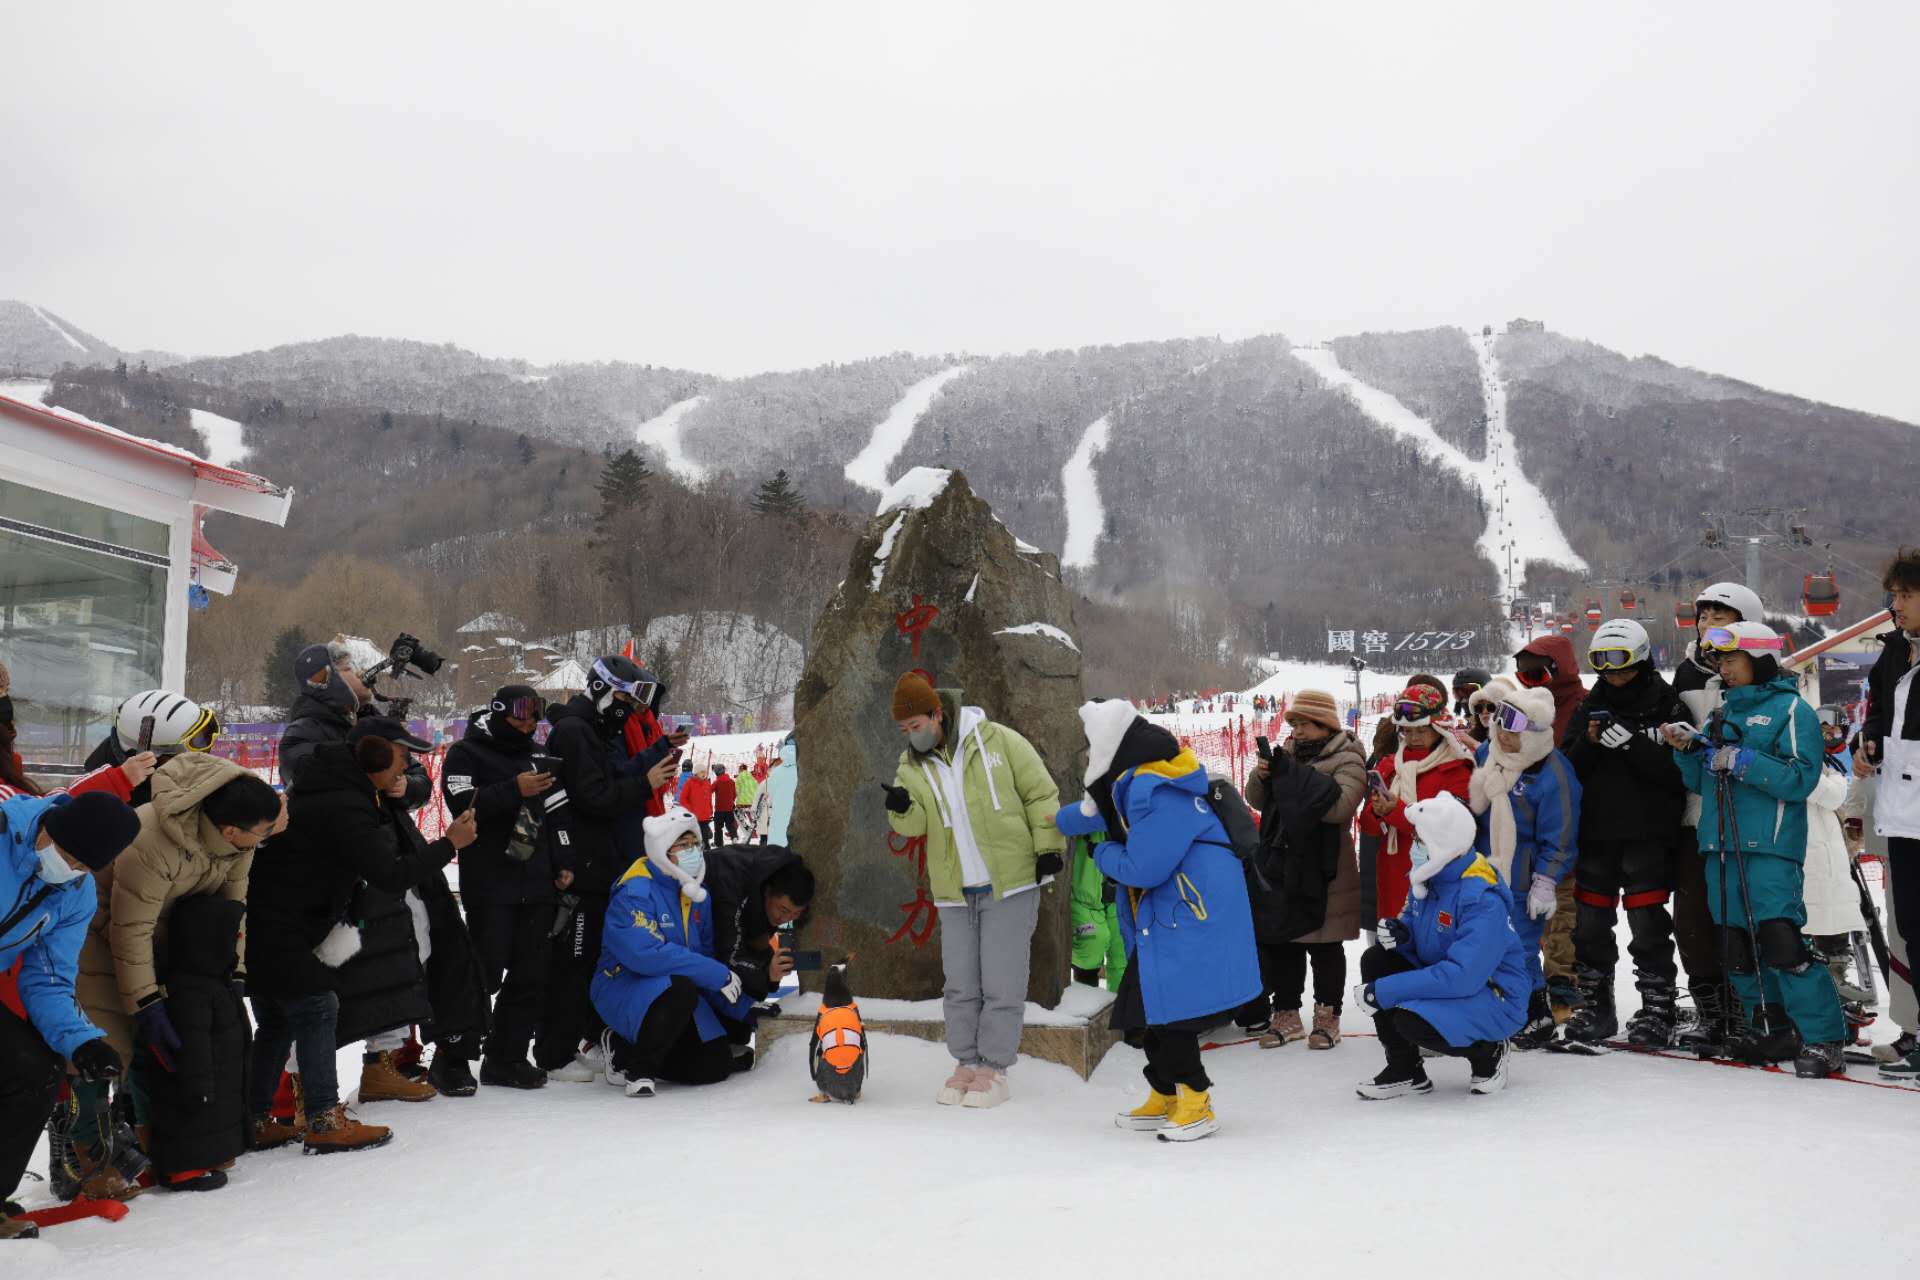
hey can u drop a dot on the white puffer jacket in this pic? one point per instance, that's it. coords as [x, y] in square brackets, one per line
[1833, 900]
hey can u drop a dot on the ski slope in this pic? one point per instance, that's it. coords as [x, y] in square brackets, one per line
[663, 433]
[890, 435]
[1086, 514]
[226, 442]
[56, 326]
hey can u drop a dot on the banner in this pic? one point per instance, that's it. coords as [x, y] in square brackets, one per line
[1403, 642]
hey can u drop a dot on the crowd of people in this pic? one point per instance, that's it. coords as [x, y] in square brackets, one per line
[624, 915]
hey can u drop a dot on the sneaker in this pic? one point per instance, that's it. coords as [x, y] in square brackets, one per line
[1818, 1061]
[596, 1056]
[743, 1059]
[988, 1088]
[641, 1087]
[1494, 1078]
[1286, 1029]
[511, 1074]
[1254, 1027]
[579, 1071]
[1192, 1118]
[612, 1074]
[956, 1086]
[450, 1075]
[1326, 1027]
[337, 1130]
[1539, 1026]
[1904, 1070]
[1898, 1049]
[382, 1081]
[1148, 1116]
[195, 1180]
[1395, 1083]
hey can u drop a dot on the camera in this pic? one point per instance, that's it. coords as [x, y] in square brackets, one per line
[407, 651]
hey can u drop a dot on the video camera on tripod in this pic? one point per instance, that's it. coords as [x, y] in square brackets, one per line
[406, 656]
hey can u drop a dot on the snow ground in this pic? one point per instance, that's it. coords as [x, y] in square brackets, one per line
[663, 433]
[1682, 1163]
[226, 439]
[1080, 489]
[890, 435]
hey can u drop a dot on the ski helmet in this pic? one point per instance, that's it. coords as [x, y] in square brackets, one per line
[1732, 595]
[1619, 644]
[179, 723]
[1755, 639]
[615, 674]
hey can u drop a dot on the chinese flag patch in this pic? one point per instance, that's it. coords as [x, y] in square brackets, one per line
[1446, 920]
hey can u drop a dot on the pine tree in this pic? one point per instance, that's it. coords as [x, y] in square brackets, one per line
[622, 485]
[277, 677]
[526, 449]
[660, 662]
[778, 497]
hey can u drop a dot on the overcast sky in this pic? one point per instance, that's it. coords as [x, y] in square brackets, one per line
[736, 187]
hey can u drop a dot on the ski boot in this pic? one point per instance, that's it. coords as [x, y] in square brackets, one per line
[452, 1075]
[1540, 1024]
[1712, 1027]
[1652, 1027]
[1770, 1037]
[1818, 1061]
[1594, 1021]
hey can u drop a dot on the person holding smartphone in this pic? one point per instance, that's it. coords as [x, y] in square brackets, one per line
[1890, 752]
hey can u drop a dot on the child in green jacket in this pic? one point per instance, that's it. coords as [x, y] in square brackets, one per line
[1097, 943]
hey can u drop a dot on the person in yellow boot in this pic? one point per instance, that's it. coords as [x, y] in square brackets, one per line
[1183, 905]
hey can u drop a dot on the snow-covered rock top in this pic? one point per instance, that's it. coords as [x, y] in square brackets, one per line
[1043, 629]
[916, 490]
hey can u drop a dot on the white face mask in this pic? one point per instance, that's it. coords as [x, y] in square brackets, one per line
[54, 869]
[693, 861]
[1419, 855]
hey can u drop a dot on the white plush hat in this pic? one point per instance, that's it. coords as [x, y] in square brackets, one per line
[1492, 694]
[660, 834]
[1106, 721]
[1446, 827]
[1537, 703]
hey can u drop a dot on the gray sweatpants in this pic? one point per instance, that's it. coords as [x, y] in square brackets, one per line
[986, 948]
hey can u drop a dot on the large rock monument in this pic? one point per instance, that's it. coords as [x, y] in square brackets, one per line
[936, 583]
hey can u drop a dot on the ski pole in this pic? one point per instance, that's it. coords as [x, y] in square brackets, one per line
[1872, 914]
[1746, 902]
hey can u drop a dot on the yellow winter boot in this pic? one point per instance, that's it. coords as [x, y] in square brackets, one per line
[1149, 1116]
[1191, 1118]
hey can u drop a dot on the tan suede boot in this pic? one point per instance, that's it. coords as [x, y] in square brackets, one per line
[382, 1081]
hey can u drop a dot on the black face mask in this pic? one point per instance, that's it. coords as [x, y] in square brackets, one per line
[616, 713]
[6, 711]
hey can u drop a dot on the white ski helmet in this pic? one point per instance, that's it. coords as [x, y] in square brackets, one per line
[1741, 599]
[1618, 636]
[179, 723]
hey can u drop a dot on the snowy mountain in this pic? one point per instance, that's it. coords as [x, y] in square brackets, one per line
[34, 340]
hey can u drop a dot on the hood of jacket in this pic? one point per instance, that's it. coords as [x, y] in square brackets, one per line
[310, 706]
[179, 788]
[1747, 697]
[333, 768]
[1182, 773]
[501, 736]
[579, 707]
[203, 936]
[1341, 741]
[1566, 665]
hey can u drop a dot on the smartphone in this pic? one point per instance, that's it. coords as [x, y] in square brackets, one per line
[1376, 783]
[544, 763]
[1264, 747]
[146, 733]
[806, 962]
[1601, 718]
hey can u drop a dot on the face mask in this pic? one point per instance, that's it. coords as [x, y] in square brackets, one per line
[336, 694]
[693, 861]
[54, 869]
[1418, 855]
[615, 712]
[924, 740]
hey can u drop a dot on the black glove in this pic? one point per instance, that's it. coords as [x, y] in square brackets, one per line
[239, 986]
[1047, 864]
[899, 799]
[96, 1061]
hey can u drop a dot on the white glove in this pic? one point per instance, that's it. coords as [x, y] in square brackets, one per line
[1363, 999]
[731, 992]
[1541, 902]
[1392, 931]
[1615, 736]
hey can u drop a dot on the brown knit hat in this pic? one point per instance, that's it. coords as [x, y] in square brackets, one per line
[1316, 705]
[913, 696]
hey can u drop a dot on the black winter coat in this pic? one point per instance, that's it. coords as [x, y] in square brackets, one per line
[607, 793]
[199, 1109]
[314, 722]
[1299, 854]
[481, 774]
[1691, 675]
[110, 753]
[1888, 670]
[303, 881]
[742, 935]
[1633, 793]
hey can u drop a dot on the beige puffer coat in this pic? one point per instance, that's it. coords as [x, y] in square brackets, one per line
[1345, 761]
[177, 854]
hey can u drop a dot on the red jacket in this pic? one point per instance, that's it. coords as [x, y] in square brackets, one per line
[642, 731]
[1393, 865]
[107, 778]
[1566, 688]
[696, 797]
[725, 793]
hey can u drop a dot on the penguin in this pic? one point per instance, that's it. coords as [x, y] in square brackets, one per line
[838, 1055]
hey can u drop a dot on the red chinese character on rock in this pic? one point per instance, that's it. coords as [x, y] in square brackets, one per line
[921, 912]
[914, 623]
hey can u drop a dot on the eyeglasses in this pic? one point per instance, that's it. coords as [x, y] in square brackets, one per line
[1610, 659]
[1514, 720]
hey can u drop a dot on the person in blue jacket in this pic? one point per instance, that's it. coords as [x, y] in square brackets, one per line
[782, 785]
[1526, 798]
[48, 845]
[1448, 973]
[659, 989]
[1183, 909]
[1754, 774]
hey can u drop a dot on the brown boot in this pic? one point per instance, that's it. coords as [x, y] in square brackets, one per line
[382, 1081]
[1326, 1028]
[12, 1228]
[337, 1130]
[1286, 1029]
[269, 1133]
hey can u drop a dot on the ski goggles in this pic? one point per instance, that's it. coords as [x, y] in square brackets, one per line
[641, 691]
[199, 737]
[1725, 640]
[1539, 677]
[521, 708]
[1514, 720]
[1417, 706]
[1610, 659]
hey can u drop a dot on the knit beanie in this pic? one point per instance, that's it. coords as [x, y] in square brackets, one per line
[1318, 706]
[93, 827]
[914, 696]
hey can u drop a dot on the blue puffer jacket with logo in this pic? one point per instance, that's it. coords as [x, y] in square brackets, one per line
[1472, 983]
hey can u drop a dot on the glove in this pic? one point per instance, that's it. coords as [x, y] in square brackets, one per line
[1615, 736]
[1656, 734]
[1363, 999]
[1392, 932]
[156, 1028]
[731, 992]
[1541, 903]
[1733, 760]
[239, 986]
[899, 799]
[96, 1061]
[1047, 864]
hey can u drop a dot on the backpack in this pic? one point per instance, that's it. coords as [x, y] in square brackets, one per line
[1243, 830]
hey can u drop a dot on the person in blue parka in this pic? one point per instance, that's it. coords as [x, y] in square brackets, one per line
[1448, 973]
[659, 989]
[1764, 758]
[1183, 910]
[48, 845]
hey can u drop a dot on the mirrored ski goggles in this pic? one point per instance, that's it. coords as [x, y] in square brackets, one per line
[1724, 640]
[641, 691]
[1514, 720]
[521, 708]
[1610, 659]
[198, 738]
[1409, 714]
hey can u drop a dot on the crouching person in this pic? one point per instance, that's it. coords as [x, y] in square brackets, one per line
[1448, 974]
[1183, 909]
[658, 988]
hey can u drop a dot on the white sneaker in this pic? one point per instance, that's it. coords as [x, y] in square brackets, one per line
[956, 1086]
[640, 1087]
[989, 1088]
[575, 1072]
[1496, 1081]
[595, 1059]
[614, 1076]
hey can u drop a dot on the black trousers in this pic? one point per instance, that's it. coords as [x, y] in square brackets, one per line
[1283, 967]
[568, 1017]
[1693, 927]
[1404, 1033]
[1904, 856]
[668, 1046]
[725, 821]
[30, 1078]
[1173, 1059]
[1635, 874]
[510, 941]
[706, 832]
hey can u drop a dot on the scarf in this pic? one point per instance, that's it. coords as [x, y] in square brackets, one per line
[1405, 786]
[1491, 790]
